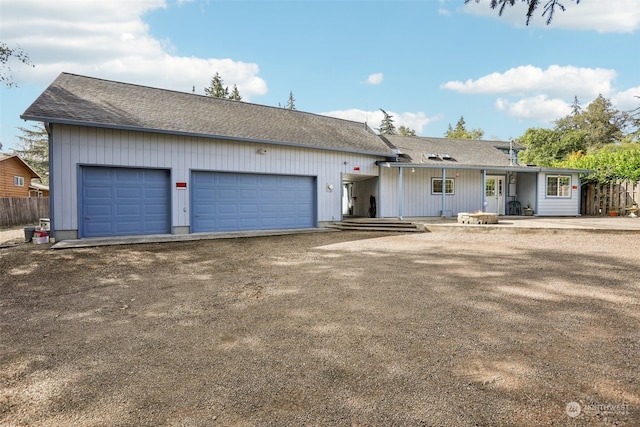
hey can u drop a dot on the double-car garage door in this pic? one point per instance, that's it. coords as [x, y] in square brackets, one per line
[132, 201]
[223, 201]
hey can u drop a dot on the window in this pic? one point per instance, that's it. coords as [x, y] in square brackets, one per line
[559, 186]
[18, 181]
[436, 186]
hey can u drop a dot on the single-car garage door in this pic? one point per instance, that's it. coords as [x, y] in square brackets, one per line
[223, 201]
[124, 202]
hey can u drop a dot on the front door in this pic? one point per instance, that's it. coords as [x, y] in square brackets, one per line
[494, 192]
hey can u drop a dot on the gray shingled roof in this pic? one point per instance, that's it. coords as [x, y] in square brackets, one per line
[462, 152]
[90, 101]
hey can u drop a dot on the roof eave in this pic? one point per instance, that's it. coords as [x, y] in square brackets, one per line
[464, 166]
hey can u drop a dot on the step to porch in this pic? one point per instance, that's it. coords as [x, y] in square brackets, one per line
[379, 224]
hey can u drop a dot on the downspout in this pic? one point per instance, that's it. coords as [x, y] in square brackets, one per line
[400, 191]
[49, 128]
[484, 190]
[443, 212]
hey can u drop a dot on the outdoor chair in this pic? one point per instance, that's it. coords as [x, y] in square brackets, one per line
[515, 208]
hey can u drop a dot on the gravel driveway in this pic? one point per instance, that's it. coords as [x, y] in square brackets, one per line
[344, 329]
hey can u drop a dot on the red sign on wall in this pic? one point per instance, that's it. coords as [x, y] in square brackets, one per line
[181, 185]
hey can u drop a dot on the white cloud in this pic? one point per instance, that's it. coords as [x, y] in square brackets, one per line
[416, 121]
[627, 100]
[375, 79]
[586, 83]
[610, 16]
[538, 107]
[442, 10]
[108, 39]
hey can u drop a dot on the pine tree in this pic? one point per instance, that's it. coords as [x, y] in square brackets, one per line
[386, 126]
[216, 88]
[291, 103]
[235, 94]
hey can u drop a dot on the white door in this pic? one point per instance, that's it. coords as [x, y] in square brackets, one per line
[494, 193]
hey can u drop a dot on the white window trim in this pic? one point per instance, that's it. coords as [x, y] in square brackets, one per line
[18, 181]
[558, 194]
[453, 186]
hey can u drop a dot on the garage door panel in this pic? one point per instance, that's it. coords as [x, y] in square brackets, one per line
[223, 201]
[248, 194]
[122, 201]
[130, 210]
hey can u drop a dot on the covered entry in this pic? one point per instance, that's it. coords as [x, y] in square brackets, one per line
[226, 201]
[124, 201]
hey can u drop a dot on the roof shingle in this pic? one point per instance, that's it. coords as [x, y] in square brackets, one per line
[81, 100]
[464, 152]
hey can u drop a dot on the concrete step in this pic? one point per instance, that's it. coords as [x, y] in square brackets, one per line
[378, 224]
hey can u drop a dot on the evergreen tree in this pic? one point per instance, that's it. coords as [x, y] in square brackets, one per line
[216, 88]
[291, 103]
[235, 94]
[461, 132]
[33, 148]
[386, 126]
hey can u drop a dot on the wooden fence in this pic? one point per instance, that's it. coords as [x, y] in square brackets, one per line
[16, 211]
[600, 199]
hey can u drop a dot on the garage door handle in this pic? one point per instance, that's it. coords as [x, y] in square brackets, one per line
[87, 217]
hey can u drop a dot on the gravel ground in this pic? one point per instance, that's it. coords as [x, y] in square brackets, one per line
[350, 328]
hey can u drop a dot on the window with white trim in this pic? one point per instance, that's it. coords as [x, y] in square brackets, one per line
[558, 185]
[436, 186]
[18, 181]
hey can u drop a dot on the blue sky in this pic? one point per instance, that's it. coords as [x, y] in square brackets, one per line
[425, 62]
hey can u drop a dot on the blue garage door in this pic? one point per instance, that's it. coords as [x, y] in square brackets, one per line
[124, 202]
[224, 201]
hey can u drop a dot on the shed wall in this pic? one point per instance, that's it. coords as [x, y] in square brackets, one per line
[558, 206]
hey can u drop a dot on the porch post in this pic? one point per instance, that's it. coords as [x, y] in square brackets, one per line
[400, 192]
[484, 190]
[444, 193]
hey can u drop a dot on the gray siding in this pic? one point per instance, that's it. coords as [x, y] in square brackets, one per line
[417, 198]
[74, 145]
[558, 206]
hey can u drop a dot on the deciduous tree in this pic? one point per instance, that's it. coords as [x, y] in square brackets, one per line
[33, 148]
[548, 11]
[6, 54]
[405, 131]
[461, 132]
